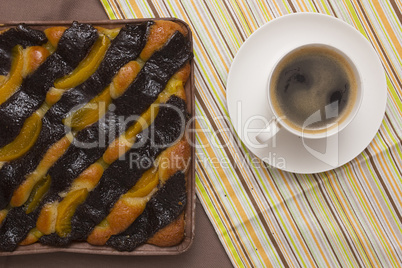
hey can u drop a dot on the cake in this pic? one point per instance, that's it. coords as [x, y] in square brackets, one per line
[92, 141]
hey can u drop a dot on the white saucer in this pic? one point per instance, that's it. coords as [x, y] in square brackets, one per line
[247, 100]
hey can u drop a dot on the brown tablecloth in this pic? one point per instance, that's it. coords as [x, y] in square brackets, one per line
[206, 250]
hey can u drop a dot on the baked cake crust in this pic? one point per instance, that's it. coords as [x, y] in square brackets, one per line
[65, 88]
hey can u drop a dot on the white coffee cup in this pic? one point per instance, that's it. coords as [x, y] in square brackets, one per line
[329, 119]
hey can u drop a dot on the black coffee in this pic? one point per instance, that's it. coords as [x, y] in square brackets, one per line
[313, 87]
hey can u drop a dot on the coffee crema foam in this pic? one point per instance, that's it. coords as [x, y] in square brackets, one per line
[312, 88]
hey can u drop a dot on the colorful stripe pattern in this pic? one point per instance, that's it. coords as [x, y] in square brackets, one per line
[347, 217]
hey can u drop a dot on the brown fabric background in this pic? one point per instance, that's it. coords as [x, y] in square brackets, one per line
[206, 250]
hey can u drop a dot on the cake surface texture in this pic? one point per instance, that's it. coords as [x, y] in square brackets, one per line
[93, 144]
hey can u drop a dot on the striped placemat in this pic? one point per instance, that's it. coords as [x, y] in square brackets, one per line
[347, 217]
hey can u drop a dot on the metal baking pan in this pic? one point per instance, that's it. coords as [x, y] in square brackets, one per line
[189, 212]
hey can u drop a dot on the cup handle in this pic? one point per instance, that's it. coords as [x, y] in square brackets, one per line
[269, 131]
